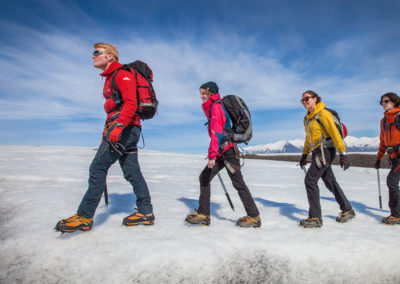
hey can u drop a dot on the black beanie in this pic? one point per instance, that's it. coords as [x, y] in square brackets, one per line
[210, 86]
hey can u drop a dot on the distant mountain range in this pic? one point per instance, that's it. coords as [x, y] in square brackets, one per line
[353, 144]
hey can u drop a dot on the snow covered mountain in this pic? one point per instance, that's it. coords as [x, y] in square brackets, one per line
[353, 144]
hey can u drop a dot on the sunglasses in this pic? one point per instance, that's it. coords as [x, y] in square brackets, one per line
[305, 99]
[384, 102]
[98, 52]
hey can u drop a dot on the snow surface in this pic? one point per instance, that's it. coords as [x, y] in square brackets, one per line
[41, 185]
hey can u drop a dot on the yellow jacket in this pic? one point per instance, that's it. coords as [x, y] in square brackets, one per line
[315, 133]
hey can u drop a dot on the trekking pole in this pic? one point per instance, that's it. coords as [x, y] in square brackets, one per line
[379, 188]
[304, 168]
[106, 195]
[226, 192]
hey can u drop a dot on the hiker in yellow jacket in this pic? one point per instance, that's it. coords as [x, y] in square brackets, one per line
[322, 140]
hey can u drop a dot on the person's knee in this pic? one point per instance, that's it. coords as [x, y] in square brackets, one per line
[310, 181]
[204, 178]
[392, 181]
[131, 172]
[96, 166]
[239, 185]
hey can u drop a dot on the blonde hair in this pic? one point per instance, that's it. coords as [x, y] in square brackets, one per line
[109, 48]
[208, 93]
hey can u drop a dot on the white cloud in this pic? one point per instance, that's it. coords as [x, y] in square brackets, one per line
[51, 77]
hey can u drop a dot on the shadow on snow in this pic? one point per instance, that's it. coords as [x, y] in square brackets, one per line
[214, 207]
[117, 203]
[286, 209]
[360, 208]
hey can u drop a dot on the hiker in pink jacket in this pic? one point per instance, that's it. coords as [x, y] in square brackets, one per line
[221, 153]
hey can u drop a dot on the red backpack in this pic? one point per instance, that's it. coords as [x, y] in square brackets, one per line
[146, 97]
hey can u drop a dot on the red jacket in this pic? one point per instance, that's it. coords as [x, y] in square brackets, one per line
[217, 121]
[127, 85]
[391, 136]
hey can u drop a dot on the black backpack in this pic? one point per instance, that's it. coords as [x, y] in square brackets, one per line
[146, 96]
[242, 129]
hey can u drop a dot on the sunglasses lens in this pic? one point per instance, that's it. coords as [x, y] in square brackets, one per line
[96, 52]
[384, 102]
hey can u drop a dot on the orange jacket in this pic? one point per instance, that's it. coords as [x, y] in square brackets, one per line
[389, 136]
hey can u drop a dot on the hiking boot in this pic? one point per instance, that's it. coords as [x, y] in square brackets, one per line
[74, 223]
[311, 222]
[139, 218]
[197, 218]
[248, 221]
[345, 216]
[391, 220]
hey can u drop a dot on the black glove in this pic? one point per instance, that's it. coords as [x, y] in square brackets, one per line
[377, 164]
[344, 162]
[303, 160]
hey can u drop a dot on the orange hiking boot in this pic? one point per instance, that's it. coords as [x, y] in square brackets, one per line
[197, 218]
[391, 220]
[74, 223]
[139, 218]
[248, 222]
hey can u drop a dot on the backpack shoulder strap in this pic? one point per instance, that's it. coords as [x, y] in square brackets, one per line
[116, 94]
[397, 121]
[386, 125]
[316, 117]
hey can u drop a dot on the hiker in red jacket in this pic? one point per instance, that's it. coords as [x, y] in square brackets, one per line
[221, 153]
[120, 136]
[390, 143]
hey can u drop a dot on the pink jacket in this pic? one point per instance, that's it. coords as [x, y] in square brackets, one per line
[216, 124]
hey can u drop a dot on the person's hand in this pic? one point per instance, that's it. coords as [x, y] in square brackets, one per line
[303, 160]
[344, 162]
[211, 163]
[377, 164]
[114, 135]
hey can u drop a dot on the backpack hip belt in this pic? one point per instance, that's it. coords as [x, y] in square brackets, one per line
[223, 145]
[393, 149]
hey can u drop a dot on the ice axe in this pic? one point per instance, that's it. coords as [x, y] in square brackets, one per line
[226, 192]
[106, 195]
[304, 167]
[379, 189]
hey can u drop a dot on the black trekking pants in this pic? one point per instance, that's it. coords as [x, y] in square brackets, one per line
[237, 181]
[314, 173]
[392, 182]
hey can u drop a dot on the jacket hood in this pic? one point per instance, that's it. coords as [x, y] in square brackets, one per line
[392, 112]
[110, 70]
[206, 106]
[319, 106]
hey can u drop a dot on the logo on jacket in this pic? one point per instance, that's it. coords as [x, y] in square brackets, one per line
[126, 78]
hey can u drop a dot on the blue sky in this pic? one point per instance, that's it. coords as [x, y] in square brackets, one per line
[268, 52]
